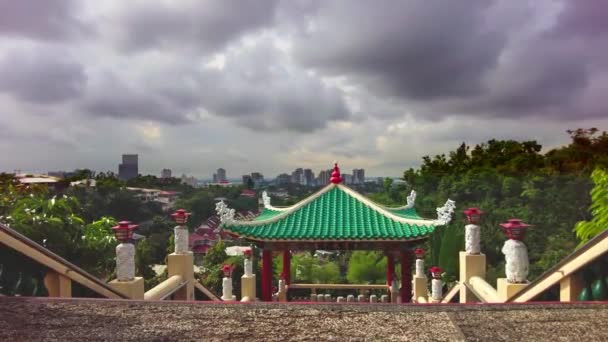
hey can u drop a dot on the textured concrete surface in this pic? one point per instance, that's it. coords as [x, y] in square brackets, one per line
[44, 319]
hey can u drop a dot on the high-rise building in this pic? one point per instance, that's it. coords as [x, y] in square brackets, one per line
[246, 179]
[358, 176]
[308, 177]
[165, 173]
[283, 178]
[296, 176]
[324, 176]
[129, 168]
[189, 180]
[221, 175]
[257, 178]
[347, 179]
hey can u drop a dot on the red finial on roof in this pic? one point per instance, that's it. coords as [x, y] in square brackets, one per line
[335, 175]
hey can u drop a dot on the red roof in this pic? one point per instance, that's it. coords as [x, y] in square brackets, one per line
[248, 193]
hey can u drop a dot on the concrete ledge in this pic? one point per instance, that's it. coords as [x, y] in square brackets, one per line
[133, 289]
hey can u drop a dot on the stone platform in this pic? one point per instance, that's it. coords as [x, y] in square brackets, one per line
[36, 319]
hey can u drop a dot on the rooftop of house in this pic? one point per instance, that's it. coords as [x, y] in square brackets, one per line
[138, 320]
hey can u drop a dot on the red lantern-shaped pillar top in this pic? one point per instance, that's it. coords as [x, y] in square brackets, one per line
[515, 229]
[227, 270]
[419, 252]
[336, 178]
[180, 217]
[473, 215]
[124, 231]
[436, 272]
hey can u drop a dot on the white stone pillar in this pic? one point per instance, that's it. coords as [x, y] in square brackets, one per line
[472, 238]
[516, 256]
[181, 239]
[360, 298]
[373, 299]
[420, 268]
[248, 267]
[227, 289]
[125, 261]
[436, 289]
[350, 298]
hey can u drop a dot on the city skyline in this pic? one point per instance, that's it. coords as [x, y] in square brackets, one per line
[269, 86]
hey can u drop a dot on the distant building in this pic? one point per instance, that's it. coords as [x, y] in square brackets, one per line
[296, 176]
[246, 179]
[165, 173]
[189, 180]
[347, 179]
[283, 179]
[220, 175]
[257, 179]
[308, 177]
[129, 168]
[323, 178]
[358, 176]
[248, 193]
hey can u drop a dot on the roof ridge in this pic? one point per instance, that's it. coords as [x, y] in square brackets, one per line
[383, 210]
[288, 211]
[364, 200]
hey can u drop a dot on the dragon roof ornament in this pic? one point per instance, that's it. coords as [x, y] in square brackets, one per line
[226, 214]
[444, 214]
[267, 205]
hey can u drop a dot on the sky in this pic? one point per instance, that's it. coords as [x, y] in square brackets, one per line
[274, 85]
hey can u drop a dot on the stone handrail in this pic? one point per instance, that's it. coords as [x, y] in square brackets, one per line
[340, 286]
[166, 288]
[483, 290]
[206, 291]
[63, 270]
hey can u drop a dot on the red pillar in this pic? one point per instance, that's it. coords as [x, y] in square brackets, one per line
[390, 268]
[406, 277]
[266, 275]
[287, 266]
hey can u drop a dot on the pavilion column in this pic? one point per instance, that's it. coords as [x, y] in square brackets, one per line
[406, 276]
[266, 275]
[287, 266]
[390, 268]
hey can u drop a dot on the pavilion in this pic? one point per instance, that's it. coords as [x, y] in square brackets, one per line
[336, 218]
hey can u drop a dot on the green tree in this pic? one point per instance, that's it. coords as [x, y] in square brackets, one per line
[585, 230]
[367, 267]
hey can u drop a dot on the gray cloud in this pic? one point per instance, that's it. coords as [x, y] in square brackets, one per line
[41, 75]
[392, 80]
[203, 25]
[447, 58]
[113, 97]
[415, 49]
[255, 88]
[46, 20]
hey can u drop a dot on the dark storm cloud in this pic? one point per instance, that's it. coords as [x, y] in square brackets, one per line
[112, 97]
[204, 25]
[255, 89]
[259, 90]
[41, 75]
[414, 49]
[583, 18]
[47, 19]
[448, 58]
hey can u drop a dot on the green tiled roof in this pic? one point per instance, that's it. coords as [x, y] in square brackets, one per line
[266, 214]
[336, 213]
[407, 213]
